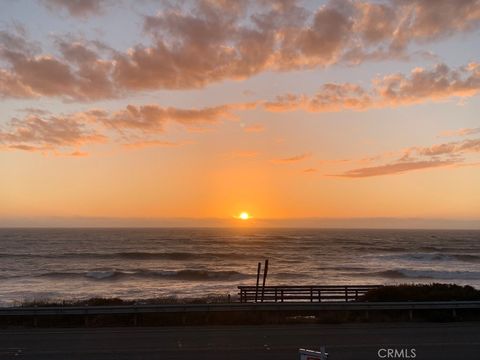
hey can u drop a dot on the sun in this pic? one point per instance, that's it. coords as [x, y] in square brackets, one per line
[244, 216]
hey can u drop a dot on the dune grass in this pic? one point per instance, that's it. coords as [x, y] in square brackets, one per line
[422, 292]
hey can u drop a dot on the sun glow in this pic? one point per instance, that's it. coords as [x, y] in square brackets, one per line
[244, 216]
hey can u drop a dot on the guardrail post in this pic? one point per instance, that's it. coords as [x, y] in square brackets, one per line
[410, 314]
[311, 294]
[454, 313]
[346, 293]
[319, 295]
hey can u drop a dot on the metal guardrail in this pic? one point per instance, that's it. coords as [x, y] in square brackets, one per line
[310, 293]
[238, 307]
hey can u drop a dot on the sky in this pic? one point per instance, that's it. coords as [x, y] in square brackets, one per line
[188, 113]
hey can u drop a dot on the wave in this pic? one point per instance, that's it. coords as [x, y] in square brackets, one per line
[135, 255]
[434, 257]
[185, 275]
[425, 274]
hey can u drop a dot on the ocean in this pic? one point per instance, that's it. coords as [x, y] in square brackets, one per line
[55, 264]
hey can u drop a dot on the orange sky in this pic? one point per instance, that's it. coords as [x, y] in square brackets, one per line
[201, 110]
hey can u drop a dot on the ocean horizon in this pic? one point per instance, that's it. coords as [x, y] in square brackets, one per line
[140, 263]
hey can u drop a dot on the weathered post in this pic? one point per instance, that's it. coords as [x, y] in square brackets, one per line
[258, 280]
[265, 273]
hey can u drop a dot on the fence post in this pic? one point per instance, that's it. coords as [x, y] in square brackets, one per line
[258, 280]
[265, 274]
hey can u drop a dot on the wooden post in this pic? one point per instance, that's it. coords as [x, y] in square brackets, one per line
[265, 274]
[258, 280]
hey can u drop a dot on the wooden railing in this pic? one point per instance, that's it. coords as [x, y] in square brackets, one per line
[307, 293]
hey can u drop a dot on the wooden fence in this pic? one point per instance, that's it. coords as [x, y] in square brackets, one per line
[322, 293]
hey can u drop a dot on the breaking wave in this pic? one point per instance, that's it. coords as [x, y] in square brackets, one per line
[187, 275]
[425, 274]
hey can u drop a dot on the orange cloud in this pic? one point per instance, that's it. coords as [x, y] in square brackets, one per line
[150, 143]
[417, 157]
[395, 168]
[292, 159]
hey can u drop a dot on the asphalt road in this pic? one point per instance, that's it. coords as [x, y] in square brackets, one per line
[433, 341]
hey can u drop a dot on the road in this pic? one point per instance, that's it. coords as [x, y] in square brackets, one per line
[433, 341]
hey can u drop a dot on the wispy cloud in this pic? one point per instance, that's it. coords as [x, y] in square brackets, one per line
[76, 8]
[395, 168]
[292, 159]
[460, 132]
[150, 143]
[132, 126]
[418, 158]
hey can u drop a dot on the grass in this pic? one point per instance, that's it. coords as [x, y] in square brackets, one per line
[421, 292]
[99, 301]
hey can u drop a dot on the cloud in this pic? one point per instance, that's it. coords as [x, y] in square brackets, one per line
[292, 159]
[152, 118]
[451, 148]
[76, 8]
[81, 74]
[34, 133]
[419, 157]
[395, 168]
[195, 43]
[150, 143]
[132, 126]
[420, 85]
[460, 132]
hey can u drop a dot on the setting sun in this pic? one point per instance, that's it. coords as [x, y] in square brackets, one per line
[244, 216]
